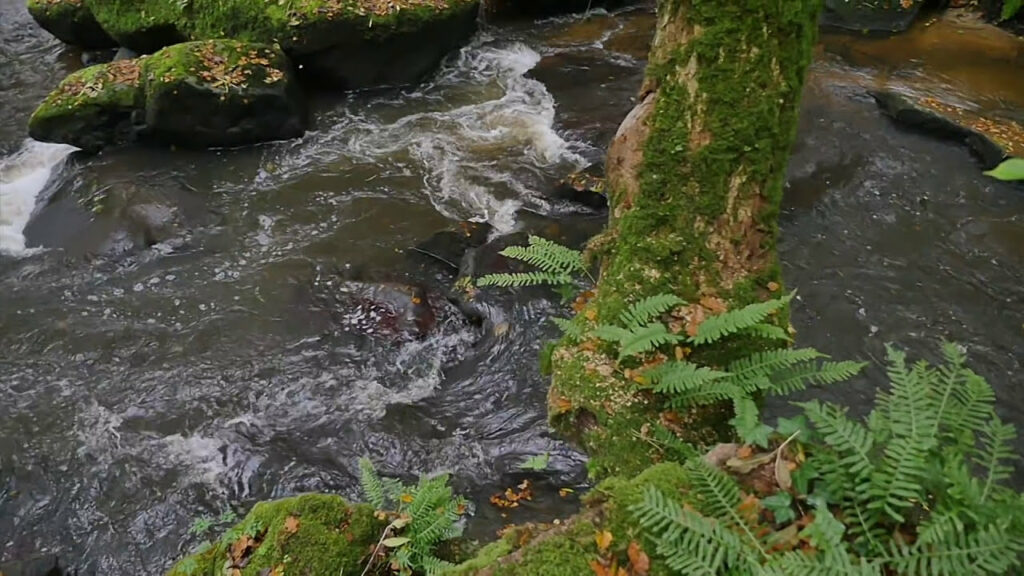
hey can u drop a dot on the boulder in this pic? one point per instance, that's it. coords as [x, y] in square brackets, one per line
[585, 187]
[92, 108]
[143, 26]
[71, 22]
[991, 140]
[306, 534]
[871, 16]
[221, 93]
[1007, 13]
[530, 9]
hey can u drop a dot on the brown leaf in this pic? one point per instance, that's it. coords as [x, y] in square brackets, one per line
[638, 559]
[603, 540]
[714, 304]
[745, 451]
[241, 547]
[291, 524]
[782, 475]
[599, 569]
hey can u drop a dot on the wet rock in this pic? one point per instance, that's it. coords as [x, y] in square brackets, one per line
[447, 247]
[71, 22]
[1000, 11]
[585, 187]
[94, 57]
[871, 16]
[125, 54]
[991, 140]
[221, 93]
[310, 533]
[92, 108]
[394, 50]
[389, 310]
[155, 222]
[634, 38]
[41, 566]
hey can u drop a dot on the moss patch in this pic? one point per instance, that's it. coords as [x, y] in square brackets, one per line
[569, 549]
[142, 25]
[223, 64]
[70, 21]
[307, 534]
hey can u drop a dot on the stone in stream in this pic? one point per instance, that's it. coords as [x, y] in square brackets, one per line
[221, 93]
[310, 534]
[196, 94]
[92, 108]
[991, 140]
[871, 16]
[585, 187]
[71, 22]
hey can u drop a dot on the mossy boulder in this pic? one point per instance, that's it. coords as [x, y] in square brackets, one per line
[71, 22]
[521, 9]
[871, 16]
[310, 534]
[92, 108]
[221, 93]
[141, 25]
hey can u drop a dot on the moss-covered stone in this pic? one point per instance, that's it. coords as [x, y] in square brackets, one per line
[221, 93]
[141, 25]
[570, 548]
[871, 16]
[92, 108]
[314, 534]
[71, 22]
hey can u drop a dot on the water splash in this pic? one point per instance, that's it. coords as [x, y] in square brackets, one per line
[23, 177]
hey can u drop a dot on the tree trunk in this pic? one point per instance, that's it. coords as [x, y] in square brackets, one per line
[695, 176]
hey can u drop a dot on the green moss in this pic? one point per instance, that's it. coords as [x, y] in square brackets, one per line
[568, 549]
[222, 63]
[307, 534]
[56, 9]
[142, 25]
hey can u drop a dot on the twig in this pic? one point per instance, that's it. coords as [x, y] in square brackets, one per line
[377, 547]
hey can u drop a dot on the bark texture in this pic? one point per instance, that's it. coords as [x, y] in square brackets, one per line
[695, 176]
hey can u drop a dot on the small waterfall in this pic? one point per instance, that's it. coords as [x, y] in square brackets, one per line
[23, 177]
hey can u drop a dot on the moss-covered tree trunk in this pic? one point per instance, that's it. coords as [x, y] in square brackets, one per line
[695, 178]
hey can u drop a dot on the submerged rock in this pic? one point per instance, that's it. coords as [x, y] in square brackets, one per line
[991, 140]
[585, 187]
[221, 93]
[71, 22]
[306, 534]
[872, 16]
[513, 9]
[92, 108]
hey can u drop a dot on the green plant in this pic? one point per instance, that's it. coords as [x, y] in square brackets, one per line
[423, 515]
[556, 265]
[767, 369]
[538, 462]
[917, 489]
[1011, 8]
[1011, 169]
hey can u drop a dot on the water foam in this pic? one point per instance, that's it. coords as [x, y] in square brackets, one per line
[23, 176]
[475, 134]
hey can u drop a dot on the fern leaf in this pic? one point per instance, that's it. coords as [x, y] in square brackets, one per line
[753, 372]
[716, 494]
[643, 312]
[373, 489]
[610, 333]
[678, 377]
[996, 439]
[646, 339]
[986, 550]
[849, 439]
[747, 422]
[571, 329]
[768, 332]
[519, 279]
[798, 376]
[717, 327]
[548, 256]
[897, 483]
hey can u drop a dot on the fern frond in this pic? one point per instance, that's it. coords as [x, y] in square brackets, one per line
[717, 327]
[747, 422]
[768, 332]
[848, 439]
[610, 333]
[974, 406]
[373, 488]
[641, 313]
[798, 376]
[896, 484]
[753, 372]
[717, 495]
[571, 329]
[996, 449]
[548, 256]
[519, 279]
[645, 339]
[678, 377]
[986, 550]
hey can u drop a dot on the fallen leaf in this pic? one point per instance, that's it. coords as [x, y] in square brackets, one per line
[773, 286]
[562, 405]
[603, 540]
[407, 498]
[291, 524]
[241, 547]
[395, 541]
[745, 451]
[782, 475]
[638, 559]
[714, 304]
[564, 492]
[598, 568]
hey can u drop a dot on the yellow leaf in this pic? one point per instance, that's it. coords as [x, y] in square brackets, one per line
[603, 540]
[407, 498]
[291, 524]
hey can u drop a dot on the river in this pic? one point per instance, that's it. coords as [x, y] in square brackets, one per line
[185, 333]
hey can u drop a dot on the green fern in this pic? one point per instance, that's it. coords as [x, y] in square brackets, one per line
[643, 312]
[556, 264]
[717, 327]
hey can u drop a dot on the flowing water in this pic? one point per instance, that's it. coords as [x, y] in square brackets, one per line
[189, 332]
